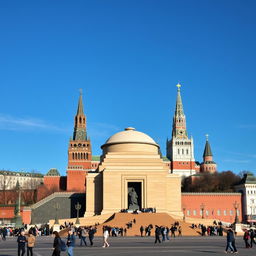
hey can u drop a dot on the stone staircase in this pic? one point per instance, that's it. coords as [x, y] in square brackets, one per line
[144, 219]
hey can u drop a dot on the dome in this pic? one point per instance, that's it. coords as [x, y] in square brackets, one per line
[130, 135]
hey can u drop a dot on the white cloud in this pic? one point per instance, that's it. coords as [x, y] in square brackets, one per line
[8, 122]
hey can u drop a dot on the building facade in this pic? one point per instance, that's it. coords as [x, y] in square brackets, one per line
[27, 180]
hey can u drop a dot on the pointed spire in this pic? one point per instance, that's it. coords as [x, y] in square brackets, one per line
[179, 106]
[207, 149]
[80, 109]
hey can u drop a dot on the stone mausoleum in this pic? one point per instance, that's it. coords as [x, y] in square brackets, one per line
[132, 175]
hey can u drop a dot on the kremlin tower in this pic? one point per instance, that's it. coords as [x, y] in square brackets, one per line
[79, 152]
[208, 165]
[180, 149]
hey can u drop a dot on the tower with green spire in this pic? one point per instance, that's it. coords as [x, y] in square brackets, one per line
[79, 151]
[208, 165]
[180, 149]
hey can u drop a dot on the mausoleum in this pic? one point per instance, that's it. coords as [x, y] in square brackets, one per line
[132, 175]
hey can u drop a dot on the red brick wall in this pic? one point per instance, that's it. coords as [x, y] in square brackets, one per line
[216, 205]
[8, 213]
[76, 180]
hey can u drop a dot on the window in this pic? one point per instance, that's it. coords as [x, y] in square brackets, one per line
[182, 151]
[194, 212]
[238, 213]
[207, 213]
[178, 151]
[188, 212]
[218, 212]
[187, 151]
[225, 213]
[231, 212]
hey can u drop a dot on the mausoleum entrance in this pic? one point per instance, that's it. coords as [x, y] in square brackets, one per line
[134, 195]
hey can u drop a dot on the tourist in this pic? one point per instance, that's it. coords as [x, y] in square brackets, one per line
[157, 234]
[21, 243]
[70, 242]
[252, 236]
[56, 244]
[83, 237]
[230, 239]
[105, 237]
[31, 243]
[173, 229]
[163, 231]
[246, 238]
[180, 231]
[141, 231]
[91, 233]
[167, 233]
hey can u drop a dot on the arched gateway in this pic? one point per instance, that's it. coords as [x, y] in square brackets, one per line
[132, 175]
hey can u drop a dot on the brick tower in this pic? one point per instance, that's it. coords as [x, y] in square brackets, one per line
[79, 152]
[180, 149]
[208, 165]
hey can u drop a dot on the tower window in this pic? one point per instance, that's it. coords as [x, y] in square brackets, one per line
[182, 151]
[178, 151]
[187, 151]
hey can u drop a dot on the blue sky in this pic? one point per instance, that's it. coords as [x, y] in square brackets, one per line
[127, 56]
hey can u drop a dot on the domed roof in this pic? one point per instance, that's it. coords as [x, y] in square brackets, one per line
[130, 135]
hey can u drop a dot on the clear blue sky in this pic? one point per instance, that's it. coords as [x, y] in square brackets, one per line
[127, 56]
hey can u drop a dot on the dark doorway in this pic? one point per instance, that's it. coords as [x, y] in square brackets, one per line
[134, 196]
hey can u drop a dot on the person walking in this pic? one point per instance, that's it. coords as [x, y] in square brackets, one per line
[91, 233]
[83, 237]
[246, 238]
[157, 234]
[31, 243]
[21, 243]
[70, 242]
[252, 236]
[141, 231]
[105, 237]
[180, 231]
[56, 244]
[230, 239]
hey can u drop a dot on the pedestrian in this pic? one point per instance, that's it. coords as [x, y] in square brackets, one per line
[21, 243]
[83, 237]
[157, 234]
[180, 231]
[246, 238]
[141, 231]
[91, 233]
[252, 235]
[31, 243]
[56, 244]
[230, 239]
[70, 242]
[105, 237]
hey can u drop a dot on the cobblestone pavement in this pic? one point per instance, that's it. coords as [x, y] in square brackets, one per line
[137, 246]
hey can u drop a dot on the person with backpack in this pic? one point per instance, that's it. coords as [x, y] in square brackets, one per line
[91, 233]
[56, 244]
[70, 242]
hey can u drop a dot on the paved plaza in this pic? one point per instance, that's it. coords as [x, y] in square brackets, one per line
[137, 246]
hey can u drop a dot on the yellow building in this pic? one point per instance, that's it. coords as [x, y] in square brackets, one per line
[132, 175]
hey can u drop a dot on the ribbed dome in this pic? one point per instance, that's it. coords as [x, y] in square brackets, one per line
[130, 135]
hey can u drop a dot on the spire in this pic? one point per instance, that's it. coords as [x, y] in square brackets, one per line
[179, 107]
[80, 109]
[207, 149]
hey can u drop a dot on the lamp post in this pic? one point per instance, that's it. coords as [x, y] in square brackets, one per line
[17, 218]
[202, 206]
[236, 205]
[56, 206]
[184, 210]
[78, 207]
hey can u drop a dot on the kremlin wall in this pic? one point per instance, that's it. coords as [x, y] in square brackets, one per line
[132, 163]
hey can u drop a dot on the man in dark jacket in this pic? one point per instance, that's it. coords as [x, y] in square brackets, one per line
[230, 241]
[141, 231]
[21, 243]
[91, 233]
[157, 234]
